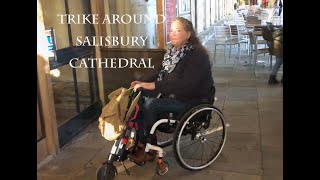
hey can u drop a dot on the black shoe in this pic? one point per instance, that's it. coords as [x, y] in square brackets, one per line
[273, 80]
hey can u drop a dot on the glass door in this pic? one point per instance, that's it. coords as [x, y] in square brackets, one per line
[76, 99]
[75, 90]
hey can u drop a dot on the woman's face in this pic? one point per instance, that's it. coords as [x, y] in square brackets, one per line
[178, 35]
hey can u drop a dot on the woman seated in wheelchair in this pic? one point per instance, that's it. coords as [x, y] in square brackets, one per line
[184, 80]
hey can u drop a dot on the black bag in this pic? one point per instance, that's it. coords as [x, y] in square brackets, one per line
[267, 33]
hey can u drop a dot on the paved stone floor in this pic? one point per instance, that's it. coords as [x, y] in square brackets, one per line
[254, 144]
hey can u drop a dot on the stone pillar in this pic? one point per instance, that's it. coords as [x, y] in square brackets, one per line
[193, 13]
[151, 28]
[128, 27]
[216, 7]
[139, 7]
[219, 10]
[207, 11]
[201, 10]
[224, 8]
[213, 12]
[45, 87]
[120, 4]
[95, 4]
[111, 8]
[107, 12]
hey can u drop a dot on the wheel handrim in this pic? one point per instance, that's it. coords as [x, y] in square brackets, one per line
[203, 140]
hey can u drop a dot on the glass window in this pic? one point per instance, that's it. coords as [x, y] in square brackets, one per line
[71, 87]
[131, 23]
[66, 32]
[51, 9]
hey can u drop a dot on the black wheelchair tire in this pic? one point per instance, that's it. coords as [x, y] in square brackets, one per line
[106, 172]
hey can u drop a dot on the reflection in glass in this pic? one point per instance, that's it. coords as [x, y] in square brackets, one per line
[64, 94]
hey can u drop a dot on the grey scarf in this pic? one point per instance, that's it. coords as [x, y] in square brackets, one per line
[171, 59]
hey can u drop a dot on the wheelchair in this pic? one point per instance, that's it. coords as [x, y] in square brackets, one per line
[196, 135]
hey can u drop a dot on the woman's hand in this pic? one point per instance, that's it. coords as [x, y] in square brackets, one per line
[136, 86]
[133, 83]
[145, 85]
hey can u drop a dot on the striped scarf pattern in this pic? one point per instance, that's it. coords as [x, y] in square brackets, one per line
[171, 59]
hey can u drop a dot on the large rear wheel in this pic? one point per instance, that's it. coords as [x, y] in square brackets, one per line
[199, 137]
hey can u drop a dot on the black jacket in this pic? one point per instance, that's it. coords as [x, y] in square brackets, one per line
[190, 80]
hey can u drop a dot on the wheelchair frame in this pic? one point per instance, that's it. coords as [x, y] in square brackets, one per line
[119, 151]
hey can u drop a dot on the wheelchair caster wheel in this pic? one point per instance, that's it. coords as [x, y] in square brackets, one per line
[162, 167]
[106, 172]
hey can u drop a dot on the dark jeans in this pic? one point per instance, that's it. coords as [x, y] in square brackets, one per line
[151, 106]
